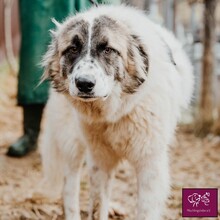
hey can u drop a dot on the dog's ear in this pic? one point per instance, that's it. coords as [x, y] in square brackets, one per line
[137, 64]
[50, 60]
[51, 64]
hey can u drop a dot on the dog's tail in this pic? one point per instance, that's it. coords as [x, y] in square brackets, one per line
[185, 69]
[182, 63]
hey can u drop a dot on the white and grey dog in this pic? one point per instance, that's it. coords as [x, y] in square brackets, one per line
[119, 84]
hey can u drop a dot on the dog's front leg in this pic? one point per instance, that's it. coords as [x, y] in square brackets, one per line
[100, 182]
[72, 184]
[99, 195]
[153, 186]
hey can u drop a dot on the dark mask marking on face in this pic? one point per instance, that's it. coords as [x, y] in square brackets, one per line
[78, 25]
[111, 60]
[101, 50]
[77, 47]
[57, 72]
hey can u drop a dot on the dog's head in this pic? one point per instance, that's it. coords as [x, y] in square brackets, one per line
[91, 57]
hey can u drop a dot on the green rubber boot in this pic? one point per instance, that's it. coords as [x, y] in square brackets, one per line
[32, 115]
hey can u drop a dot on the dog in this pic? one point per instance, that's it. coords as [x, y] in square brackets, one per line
[119, 83]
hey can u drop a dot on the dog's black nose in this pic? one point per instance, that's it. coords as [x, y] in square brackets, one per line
[85, 84]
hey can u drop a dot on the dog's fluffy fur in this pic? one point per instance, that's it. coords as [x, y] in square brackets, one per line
[142, 81]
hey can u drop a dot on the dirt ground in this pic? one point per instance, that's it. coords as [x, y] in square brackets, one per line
[194, 163]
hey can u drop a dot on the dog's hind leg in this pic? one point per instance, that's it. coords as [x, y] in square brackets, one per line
[71, 187]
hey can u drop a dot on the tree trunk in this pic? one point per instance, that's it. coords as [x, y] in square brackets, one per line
[205, 119]
[216, 127]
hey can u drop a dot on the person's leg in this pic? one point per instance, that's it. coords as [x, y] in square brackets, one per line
[34, 41]
[32, 115]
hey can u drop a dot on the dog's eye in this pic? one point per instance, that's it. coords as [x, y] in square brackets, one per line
[74, 49]
[107, 50]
